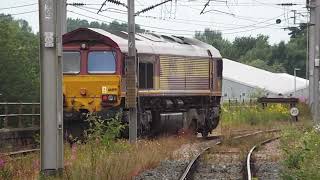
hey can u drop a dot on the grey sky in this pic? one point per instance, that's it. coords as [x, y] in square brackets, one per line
[236, 18]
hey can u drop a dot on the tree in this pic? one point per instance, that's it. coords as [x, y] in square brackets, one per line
[260, 50]
[241, 45]
[114, 26]
[296, 55]
[19, 62]
[215, 39]
[256, 51]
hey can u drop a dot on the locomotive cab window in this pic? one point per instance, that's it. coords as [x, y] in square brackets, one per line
[71, 62]
[102, 62]
[145, 75]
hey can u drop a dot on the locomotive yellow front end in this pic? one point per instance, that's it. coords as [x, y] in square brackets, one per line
[92, 75]
[91, 93]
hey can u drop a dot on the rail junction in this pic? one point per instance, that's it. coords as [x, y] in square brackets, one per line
[227, 163]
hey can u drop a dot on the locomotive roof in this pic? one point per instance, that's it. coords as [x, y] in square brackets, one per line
[147, 43]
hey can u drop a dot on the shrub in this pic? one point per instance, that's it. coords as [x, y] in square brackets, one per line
[103, 131]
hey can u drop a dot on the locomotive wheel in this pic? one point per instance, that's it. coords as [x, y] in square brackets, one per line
[193, 126]
[215, 122]
[204, 133]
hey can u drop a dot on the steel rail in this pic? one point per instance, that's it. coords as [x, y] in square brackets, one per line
[189, 169]
[20, 152]
[8, 130]
[187, 173]
[15, 115]
[18, 103]
[256, 133]
[250, 154]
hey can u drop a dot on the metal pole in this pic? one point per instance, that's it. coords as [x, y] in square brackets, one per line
[312, 42]
[50, 53]
[316, 64]
[131, 75]
[61, 29]
[64, 16]
[295, 80]
[307, 60]
[295, 85]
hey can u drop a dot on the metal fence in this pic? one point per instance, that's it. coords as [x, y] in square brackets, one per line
[18, 116]
[252, 102]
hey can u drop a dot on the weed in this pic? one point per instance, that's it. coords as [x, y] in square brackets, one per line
[254, 115]
[301, 150]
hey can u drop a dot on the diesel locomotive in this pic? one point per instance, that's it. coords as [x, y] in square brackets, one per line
[179, 79]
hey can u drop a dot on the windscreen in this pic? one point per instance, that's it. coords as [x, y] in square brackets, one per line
[71, 62]
[102, 62]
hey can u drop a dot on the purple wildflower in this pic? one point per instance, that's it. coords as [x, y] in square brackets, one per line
[36, 164]
[2, 163]
[74, 152]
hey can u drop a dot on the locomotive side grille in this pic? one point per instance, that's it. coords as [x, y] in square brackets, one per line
[180, 73]
[172, 73]
[197, 75]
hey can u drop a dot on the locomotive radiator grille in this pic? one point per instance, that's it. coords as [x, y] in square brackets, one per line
[180, 73]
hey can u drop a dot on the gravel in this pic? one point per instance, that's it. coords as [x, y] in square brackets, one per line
[173, 169]
[168, 170]
[219, 165]
[267, 161]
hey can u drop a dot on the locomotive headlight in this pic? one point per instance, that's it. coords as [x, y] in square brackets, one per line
[83, 46]
[111, 97]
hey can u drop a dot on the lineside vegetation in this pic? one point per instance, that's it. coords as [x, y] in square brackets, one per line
[100, 155]
[301, 153]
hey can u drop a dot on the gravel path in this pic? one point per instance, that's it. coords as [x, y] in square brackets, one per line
[267, 161]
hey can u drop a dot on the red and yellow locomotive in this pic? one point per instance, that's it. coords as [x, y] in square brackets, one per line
[179, 78]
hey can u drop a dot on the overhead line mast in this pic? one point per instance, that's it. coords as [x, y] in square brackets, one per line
[131, 65]
[52, 25]
[131, 70]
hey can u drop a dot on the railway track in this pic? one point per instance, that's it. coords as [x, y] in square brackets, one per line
[223, 163]
[21, 152]
[263, 164]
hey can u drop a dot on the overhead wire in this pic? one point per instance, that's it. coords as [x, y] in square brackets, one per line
[26, 12]
[186, 23]
[179, 30]
[166, 29]
[173, 31]
[187, 34]
[251, 19]
[19, 6]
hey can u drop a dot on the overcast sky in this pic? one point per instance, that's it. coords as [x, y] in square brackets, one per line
[234, 18]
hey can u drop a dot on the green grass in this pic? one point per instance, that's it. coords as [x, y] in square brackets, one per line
[256, 115]
[301, 153]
